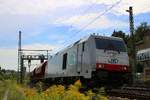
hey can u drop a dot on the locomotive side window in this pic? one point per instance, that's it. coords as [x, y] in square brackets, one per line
[71, 58]
[83, 46]
[64, 61]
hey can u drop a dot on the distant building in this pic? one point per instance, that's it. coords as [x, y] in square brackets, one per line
[143, 54]
[145, 43]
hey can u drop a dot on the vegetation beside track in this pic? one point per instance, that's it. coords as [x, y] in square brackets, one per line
[13, 93]
[55, 92]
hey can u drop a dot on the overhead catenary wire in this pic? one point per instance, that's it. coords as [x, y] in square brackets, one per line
[86, 10]
[100, 15]
[97, 17]
[92, 21]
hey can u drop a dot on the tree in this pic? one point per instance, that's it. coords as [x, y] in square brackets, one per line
[142, 29]
[121, 35]
[139, 67]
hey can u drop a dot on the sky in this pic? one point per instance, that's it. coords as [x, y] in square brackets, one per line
[54, 24]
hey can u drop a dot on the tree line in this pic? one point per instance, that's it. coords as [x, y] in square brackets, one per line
[139, 33]
[7, 74]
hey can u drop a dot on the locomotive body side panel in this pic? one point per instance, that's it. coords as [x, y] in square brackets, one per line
[88, 60]
[71, 62]
[77, 62]
[54, 66]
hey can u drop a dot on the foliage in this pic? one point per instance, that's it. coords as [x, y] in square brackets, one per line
[121, 34]
[10, 86]
[140, 67]
[139, 33]
[142, 29]
[8, 74]
[2, 89]
[13, 93]
[59, 92]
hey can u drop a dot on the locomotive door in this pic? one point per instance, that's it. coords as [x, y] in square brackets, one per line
[79, 58]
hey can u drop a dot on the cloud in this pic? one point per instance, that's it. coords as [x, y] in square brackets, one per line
[8, 58]
[139, 6]
[79, 21]
[30, 15]
[38, 46]
[51, 6]
[24, 6]
[82, 20]
[37, 6]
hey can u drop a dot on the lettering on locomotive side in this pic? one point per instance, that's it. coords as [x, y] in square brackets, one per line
[113, 61]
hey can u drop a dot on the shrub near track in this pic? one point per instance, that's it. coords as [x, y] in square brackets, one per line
[58, 92]
[55, 92]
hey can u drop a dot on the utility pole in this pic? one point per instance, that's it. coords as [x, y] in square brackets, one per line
[20, 67]
[19, 50]
[133, 48]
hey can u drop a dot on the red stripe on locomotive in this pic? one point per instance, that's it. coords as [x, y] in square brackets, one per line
[112, 67]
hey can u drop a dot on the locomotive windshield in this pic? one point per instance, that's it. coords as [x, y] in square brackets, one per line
[107, 44]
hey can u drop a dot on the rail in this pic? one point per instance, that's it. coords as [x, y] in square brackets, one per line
[131, 92]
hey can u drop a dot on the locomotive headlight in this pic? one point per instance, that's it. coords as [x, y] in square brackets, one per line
[125, 68]
[100, 66]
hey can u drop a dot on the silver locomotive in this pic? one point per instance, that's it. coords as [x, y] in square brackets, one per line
[98, 59]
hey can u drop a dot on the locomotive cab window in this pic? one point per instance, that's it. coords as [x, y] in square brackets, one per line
[108, 44]
[64, 65]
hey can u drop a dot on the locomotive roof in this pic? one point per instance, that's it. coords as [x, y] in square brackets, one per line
[106, 37]
[96, 36]
[86, 38]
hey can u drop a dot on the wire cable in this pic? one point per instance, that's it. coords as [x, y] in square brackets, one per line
[96, 18]
[85, 11]
[84, 27]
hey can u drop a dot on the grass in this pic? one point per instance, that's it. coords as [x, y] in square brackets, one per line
[13, 93]
[2, 89]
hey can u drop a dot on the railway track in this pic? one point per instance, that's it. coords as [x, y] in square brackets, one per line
[131, 92]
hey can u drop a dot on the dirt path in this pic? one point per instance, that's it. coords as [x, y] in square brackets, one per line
[6, 94]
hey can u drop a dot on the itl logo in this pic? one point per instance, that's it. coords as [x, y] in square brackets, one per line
[113, 61]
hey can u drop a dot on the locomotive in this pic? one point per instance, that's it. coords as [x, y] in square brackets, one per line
[94, 59]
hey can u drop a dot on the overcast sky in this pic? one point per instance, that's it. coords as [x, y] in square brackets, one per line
[53, 24]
